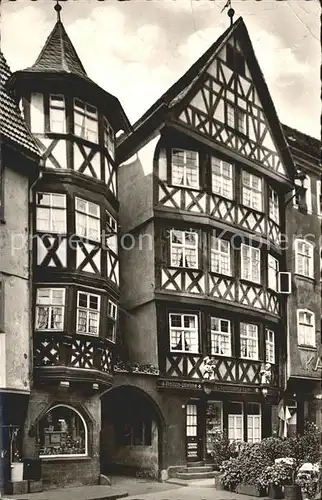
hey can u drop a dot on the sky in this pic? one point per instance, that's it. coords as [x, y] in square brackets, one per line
[137, 49]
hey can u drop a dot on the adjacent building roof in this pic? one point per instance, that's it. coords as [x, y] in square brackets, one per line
[301, 141]
[12, 125]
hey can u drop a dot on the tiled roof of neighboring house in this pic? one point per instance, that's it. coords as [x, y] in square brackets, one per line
[301, 141]
[59, 54]
[12, 125]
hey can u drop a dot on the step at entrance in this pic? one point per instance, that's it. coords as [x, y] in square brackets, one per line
[196, 470]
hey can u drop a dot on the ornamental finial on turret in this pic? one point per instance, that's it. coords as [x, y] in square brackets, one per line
[230, 12]
[58, 8]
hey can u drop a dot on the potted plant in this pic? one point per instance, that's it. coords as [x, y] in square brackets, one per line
[275, 477]
[309, 479]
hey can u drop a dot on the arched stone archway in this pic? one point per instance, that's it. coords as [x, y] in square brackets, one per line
[131, 431]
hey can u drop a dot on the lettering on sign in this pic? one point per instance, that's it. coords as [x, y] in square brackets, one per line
[313, 362]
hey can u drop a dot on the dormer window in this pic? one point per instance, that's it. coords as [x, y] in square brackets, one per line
[109, 141]
[57, 114]
[236, 118]
[251, 191]
[185, 168]
[85, 121]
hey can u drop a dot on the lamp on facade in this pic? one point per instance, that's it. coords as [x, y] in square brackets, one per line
[264, 391]
[207, 388]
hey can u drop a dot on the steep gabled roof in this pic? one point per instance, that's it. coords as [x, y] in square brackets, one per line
[12, 125]
[299, 140]
[59, 54]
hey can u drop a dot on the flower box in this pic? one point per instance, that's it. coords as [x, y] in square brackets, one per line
[253, 490]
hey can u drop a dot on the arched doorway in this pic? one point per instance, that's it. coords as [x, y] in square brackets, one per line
[131, 432]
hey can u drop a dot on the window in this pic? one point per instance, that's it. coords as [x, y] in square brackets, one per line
[57, 114]
[251, 191]
[111, 321]
[85, 121]
[308, 193]
[184, 335]
[111, 233]
[236, 118]
[184, 249]
[88, 310]
[87, 219]
[306, 327]
[273, 269]
[235, 60]
[304, 258]
[220, 256]
[222, 178]
[214, 423]
[235, 422]
[109, 140]
[62, 431]
[220, 336]
[1, 191]
[318, 198]
[50, 306]
[273, 206]
[250, 263]
[135, 433]
[185, 168]
[269, 346]
[248, 341]
[51, 213]
[254, 422]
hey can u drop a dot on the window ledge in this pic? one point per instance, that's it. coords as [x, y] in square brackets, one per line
[249, 282]
[181, 186]
[67, 457]
[305, 278]
[307, 347]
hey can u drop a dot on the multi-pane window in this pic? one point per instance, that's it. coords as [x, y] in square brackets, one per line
[111, 233]
[109, 141]
[235, 59]
[85, 121]
[50, 305]
[235, 422]
[236, 118]
[185, 168]
[248, 341]
[222, 178]
[273, 205]
[111, 321]
[254, 422]
[184, 334]
[57, 114]
[252, 191]
[273, 269]
[1, 190]
[184, 248]
[135, 433]
[220, 336]
[269, 346]
[304, 258]
[306, 327]
[87, 219]
[318, 198]
[250, 263]
[88, 310]
[51, 212]
[220, 256]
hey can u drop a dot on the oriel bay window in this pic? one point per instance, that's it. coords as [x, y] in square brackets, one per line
[306, 328]
[57, 114]
[109, 141]
[85, 121]
[184, 248]
[220, 336]
[111, 240]
[269, 346]
[51, 213]
[252, 191]
[220, 256]
[222, 178]
[249, 347]
[87, 219]
[185, 168]
[184, 333]
[304, 263]
[250, 263]
[50, 306]
[273, 205]
[111, 321]
[88, 312]
[273, 269]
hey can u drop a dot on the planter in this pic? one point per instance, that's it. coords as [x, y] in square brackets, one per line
[275, 491]
[251, 490]
[16, 472]
[292, 492]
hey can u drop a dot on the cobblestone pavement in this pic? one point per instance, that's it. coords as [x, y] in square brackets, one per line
[189, 493]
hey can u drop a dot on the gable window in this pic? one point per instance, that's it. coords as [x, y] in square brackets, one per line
[304, 258]
[306, 328]
[273, 269]
[235, 59]
[273, 205]
[254, 422]
[111, 320]
[185, 168]
[248, 341]
[220, 256]
[50, 306]
[236, 117]
[87, 219]
[85, 121]
[51, 213]
[184, 334]
[88, 310]
[269, 346]
[109, 141]
[235, 421]
[184, 249]
[220, 336]
[222, 178]
[252, 191]
[250, 263]
[57, 114]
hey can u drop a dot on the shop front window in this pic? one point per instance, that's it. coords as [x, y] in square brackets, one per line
[62, 432]
[214, 424]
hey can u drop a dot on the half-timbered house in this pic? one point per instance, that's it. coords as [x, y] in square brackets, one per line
[75, 258]
[203, 181]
